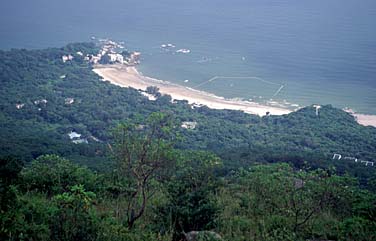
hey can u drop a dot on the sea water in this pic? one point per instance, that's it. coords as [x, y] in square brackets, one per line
[288, 52]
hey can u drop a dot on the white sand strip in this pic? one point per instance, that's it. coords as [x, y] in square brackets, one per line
[366, 120]
[130, 77]
[363, 119]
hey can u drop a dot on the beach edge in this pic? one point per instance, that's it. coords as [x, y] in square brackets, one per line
[129, 76]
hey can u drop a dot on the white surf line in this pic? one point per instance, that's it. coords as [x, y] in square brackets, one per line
[236, 77]
[279, 90]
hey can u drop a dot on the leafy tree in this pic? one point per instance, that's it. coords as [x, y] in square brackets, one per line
[52, 174]
[105, 59]
[142, 152]
[74, 218]
[153, 90]
[9, 173]
[191, 202]
[275, 202]
[32, 221]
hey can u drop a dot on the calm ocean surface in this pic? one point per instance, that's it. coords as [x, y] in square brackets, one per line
[321, 51]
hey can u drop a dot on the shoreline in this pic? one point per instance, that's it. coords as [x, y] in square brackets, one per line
[125, 76]
[363, 119]
[129, 77]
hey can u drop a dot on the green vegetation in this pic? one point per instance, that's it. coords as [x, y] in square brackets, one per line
[29, 76]
[265, 202]
[143, 177]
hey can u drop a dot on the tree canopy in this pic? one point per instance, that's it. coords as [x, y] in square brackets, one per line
[82, 159]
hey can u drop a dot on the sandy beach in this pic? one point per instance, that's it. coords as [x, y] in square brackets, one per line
[129, 77]
[363, 119]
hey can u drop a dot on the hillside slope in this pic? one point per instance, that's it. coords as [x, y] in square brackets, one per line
[43, 99]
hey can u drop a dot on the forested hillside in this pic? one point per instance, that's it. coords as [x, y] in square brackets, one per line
[82, 159]
[43, 99]
[155, 192]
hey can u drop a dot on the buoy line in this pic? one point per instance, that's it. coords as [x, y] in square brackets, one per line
[281, 86]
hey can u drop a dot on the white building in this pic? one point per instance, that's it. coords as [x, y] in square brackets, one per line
[73, 135]
[116, 58]
[67, 58]
[76, 138]
[189, 125]
[95, 59]
[19, 106]
[69, 101]
[42, 101]
[317, 109]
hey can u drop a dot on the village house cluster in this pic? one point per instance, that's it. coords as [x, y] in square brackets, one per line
[36, 102]
[110, 52]
[43, 102]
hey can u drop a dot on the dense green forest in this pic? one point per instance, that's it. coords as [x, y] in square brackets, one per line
[156, 192]
[30, 76]
[136, 174]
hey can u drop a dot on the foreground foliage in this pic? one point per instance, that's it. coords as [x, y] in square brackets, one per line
[265, 202]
